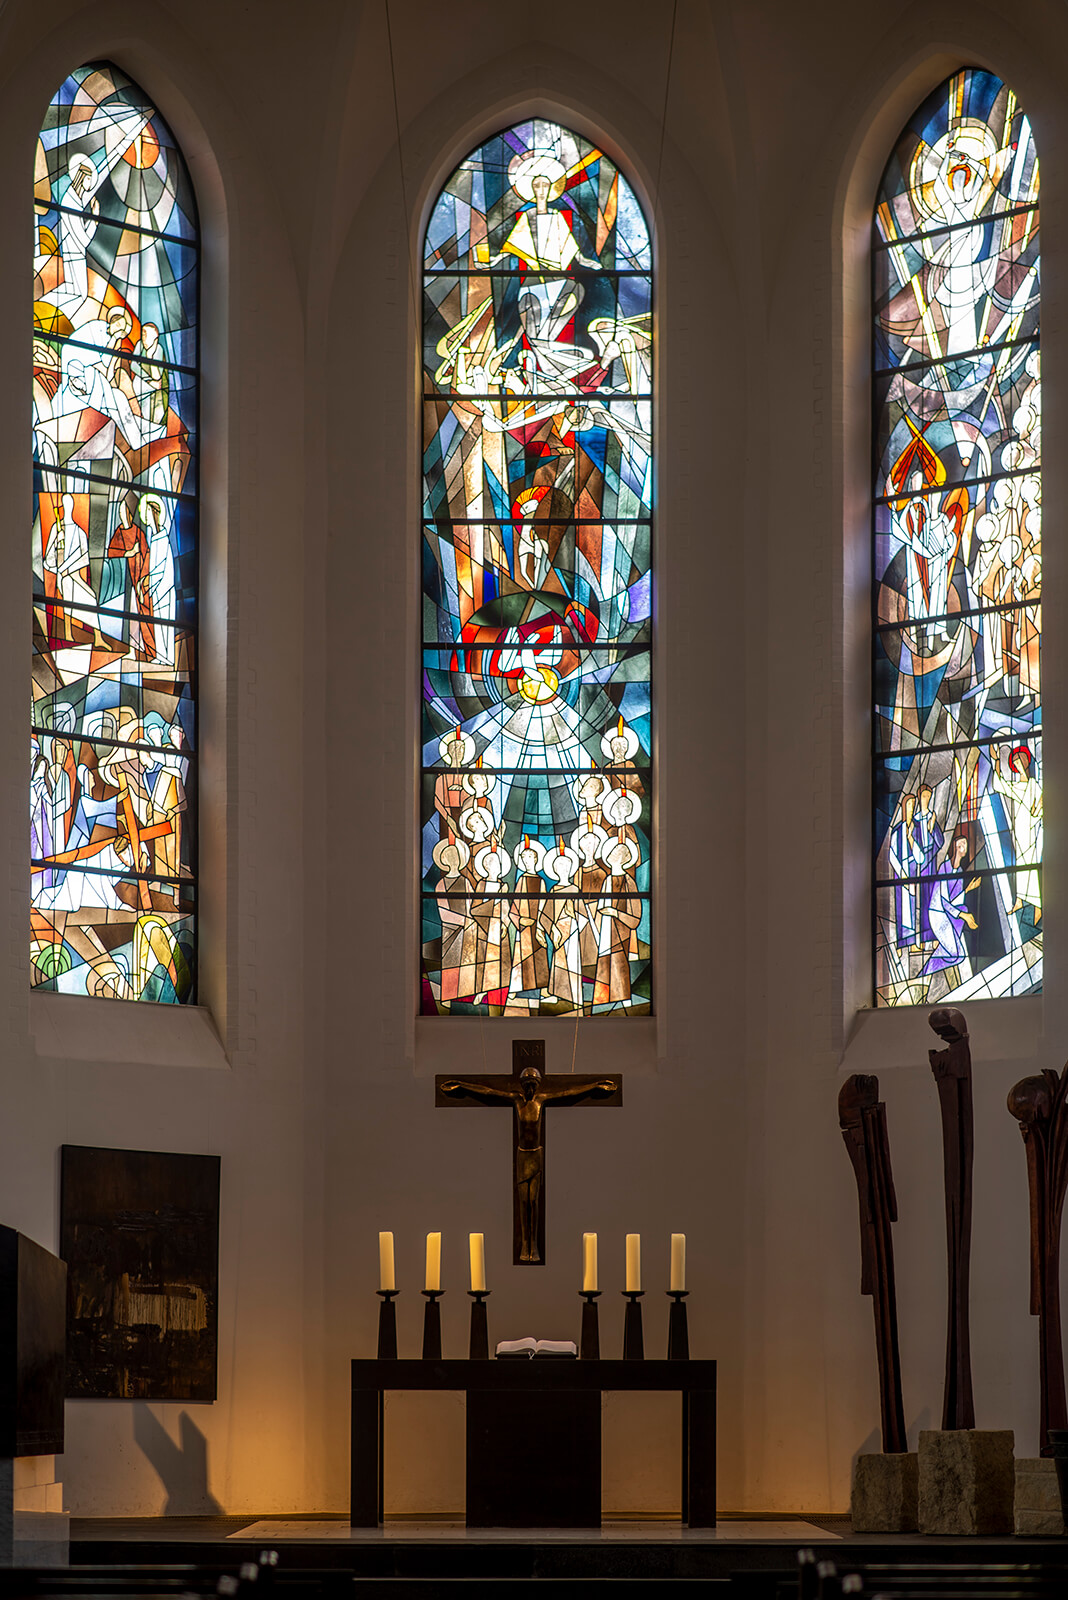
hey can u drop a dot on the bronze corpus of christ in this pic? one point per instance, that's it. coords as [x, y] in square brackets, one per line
[529, 1091]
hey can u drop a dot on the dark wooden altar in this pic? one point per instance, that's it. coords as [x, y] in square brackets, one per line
[534, 1435]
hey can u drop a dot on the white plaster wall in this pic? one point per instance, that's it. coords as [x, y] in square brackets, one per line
[228, 1079]
[311, 1076]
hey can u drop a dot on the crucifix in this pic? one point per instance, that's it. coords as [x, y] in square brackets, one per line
[528, 1091]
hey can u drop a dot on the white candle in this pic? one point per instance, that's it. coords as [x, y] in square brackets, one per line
[433, 1261]
[634, 1263]
[589, 1263]
[478, 1262]
[678, 1263]
[387, 1272]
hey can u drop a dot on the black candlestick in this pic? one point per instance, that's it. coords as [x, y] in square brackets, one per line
[633, 1343]
[432, 1325]
[478, 1350]
[590, 1344]
[678, 1331]
[387, 1326]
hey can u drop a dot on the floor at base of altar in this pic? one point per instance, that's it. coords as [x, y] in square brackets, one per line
[435, 1548]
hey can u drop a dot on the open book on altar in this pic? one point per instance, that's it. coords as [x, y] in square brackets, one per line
[527, 1348]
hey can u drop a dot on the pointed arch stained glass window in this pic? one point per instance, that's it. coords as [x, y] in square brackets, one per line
[537, 506]
[114, 548]
[958, 553]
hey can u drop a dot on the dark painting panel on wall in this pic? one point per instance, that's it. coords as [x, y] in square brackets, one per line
[139, 1232]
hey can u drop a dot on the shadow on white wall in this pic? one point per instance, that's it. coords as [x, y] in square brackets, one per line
[183, 1467]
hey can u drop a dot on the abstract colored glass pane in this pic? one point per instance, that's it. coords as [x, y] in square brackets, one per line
[958, 553]
[114, 548]
[537, 504]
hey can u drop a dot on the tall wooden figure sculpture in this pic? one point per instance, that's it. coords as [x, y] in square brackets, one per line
[952, 1070]
[1038, 1104]
[862, 1116]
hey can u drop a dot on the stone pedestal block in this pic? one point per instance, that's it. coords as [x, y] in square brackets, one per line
[966, 1481]
[1038, 1499]
[34, 1528]
[885, 1492]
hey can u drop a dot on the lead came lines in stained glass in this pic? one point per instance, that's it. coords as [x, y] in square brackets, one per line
[957, 539]
[538, 455]
[115, 420]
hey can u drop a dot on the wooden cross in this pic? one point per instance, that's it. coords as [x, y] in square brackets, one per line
[528, 1091]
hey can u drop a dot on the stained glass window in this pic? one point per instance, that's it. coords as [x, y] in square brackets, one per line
[958, 553]
[537, 616]
[114, 548]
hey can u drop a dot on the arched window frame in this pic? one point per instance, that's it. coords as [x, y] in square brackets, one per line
[985, 818]
[509, 888]
[158, 474]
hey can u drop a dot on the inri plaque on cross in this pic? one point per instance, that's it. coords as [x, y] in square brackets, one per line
[529, 1091]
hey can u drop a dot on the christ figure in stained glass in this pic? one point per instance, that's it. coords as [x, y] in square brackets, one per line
[958, 556]
[537, 596]
[113, 548]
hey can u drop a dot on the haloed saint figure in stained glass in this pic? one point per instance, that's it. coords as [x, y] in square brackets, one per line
[958, 553]
[537, 505]
[114, 565]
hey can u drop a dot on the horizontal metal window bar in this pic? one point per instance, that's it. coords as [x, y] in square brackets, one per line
[548, 894]
[881, 244]
[507, 522]
[109, 611]
[97, 479]
[184, 751]
[538, 772]
[960, 744]
[541, 272]
[126, 227]
[922, 363]
[635, 647]
[110, 872]
[574, 396]
[609, 520]
[1003, 608]
[465, 667]
[626, 651]
[107, 352]
[957, 483]
[964, 871]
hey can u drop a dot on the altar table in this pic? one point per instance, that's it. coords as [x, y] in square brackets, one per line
[534, 1435]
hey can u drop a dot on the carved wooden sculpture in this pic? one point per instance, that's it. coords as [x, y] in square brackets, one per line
[952, 1069]
[863, 1119]
[1038, 1104]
